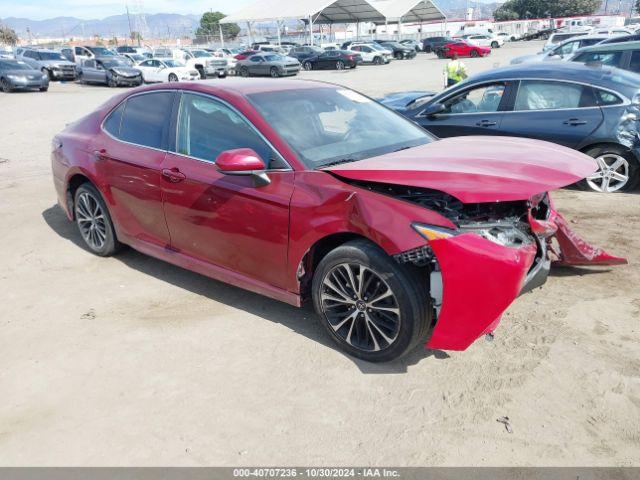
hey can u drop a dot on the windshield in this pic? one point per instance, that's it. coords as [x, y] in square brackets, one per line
[5, 65]
[174, 63]
[135, 57]
[51, 56]
[375, 46]
[329, 126]
[273, 58]
[393, 44]
[201, 53]
[102, 52]
[114, 63]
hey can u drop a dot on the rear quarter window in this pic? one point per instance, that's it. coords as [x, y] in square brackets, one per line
[112, 123]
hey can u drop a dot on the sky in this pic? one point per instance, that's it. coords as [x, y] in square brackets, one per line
[97, 9]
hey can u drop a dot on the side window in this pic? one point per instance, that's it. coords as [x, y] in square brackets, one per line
[567, 48]
[634, 64]
[79, 51]
[145, 118]
[611, 59]
[112, 123]
[484, 99]
[543, 95]
[89, 64]
[607, 98]
[255, 58]
[206, 128]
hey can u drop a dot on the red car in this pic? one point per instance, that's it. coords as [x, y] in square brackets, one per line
[305, 191]
[462, 49]
[244, 55]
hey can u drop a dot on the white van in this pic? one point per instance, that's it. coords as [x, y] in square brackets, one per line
[556, 38]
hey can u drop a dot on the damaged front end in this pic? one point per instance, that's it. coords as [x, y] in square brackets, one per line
[498, 251]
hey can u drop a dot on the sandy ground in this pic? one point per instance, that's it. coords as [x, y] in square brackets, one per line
[131, 361]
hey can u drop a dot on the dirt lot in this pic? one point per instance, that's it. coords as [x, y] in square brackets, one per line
[131, 361]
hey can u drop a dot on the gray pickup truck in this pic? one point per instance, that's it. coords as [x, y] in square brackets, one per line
[49, 62]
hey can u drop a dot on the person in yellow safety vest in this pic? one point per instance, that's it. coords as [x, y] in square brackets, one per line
[455, 71]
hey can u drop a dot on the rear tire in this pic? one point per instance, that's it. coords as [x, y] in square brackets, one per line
[94, 222]
[308, 66]
[339, 65]
[399, 56]
[614, 164]
[274, 72]
[373, 330]
[440, 54]
[244, 71]
[377, 60]
[475, 53]
[495, 45]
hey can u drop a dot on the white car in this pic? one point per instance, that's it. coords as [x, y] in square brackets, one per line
[385, 52]
[165, 70]
[370, 55]
[507, 37]
[484, 40]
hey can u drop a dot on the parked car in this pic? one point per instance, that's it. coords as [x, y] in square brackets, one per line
[556, 38]
[134, 58]
[49, 62]
[563, 51]
[111, 71]
[491, 41]
[87, 52]
[588, 109]
[370, 54]
[243, 55]
[268, 64]
[18, 75]
[300, 53]
[167, 70]
[400, 52]
[621, 39]
[507, 37]
[432, 44]
[417, 46]
[333, 60]
[462, 48]
[204, 62]
[621, 55]
[360, 212]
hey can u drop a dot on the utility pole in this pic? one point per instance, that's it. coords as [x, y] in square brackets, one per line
[129, 20]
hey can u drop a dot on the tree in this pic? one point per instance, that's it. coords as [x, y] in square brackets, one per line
[8, 35]
[521, 9]
[210, 26]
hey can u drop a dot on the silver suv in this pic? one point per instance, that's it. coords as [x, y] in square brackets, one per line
[49, 62]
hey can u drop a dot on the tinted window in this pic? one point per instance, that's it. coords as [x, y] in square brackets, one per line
[206, 128]
[541, 95]
[567, 48]
[484, 99]
[112, 123]
[607, 98]
[634, 64]
[611, 59]
[145, 118]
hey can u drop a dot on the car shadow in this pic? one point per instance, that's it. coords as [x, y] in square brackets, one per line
[303, 320]
[570, 271]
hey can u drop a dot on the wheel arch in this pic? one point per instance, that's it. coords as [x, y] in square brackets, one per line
[604, 144]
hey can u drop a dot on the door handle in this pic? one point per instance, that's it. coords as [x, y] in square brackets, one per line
[574, 122]
[99, 154]
[174, 175]
[486, 123]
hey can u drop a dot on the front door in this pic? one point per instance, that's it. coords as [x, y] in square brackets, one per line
[559, 112]
[473, 111]
[226, 220]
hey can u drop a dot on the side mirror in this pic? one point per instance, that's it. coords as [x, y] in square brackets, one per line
[243, 161]
[433, 109]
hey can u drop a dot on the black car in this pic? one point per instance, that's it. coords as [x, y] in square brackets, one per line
[400, 51]
[591, 109]
[303, 52]
[431, 44]
[17, 75]
[332, 60]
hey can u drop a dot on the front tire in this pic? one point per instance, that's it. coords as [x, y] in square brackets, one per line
[377, 61]
[244, 71]
[47, 73]
[618, 171]
[111, 82]
[308, 66]
[6, 86]
[495, 45]
[94, 222]
[339, 65]
[274, 72]
[374, 308]
[475, 53]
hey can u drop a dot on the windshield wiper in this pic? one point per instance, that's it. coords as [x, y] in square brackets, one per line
[338, 162]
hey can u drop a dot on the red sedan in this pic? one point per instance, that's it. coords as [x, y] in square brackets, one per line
[462, 49]
[305, 191]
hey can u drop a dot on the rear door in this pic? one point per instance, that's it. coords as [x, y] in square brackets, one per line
[557, 111]
[477, 110]
[130, 159]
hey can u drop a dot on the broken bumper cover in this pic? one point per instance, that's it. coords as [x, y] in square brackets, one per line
[480, 279]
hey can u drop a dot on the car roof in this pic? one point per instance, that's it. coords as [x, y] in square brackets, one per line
[248, 86]
[613, 47]
[603, 76]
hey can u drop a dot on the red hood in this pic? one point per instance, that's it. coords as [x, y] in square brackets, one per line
[476, 169]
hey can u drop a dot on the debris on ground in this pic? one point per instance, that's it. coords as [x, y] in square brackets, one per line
[506, 422]
[90, 315]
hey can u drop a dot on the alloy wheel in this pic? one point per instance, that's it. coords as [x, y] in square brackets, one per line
[360, 307]
[612, 174]
[339, 65]
[274, 72]
[5, 86]
[91, 221]
[307, 66]
[244, 71]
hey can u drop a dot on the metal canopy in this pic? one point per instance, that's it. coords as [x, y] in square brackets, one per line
[409, 11]
[320, 11]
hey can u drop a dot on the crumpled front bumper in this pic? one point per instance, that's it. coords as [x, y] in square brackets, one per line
[480, 279]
